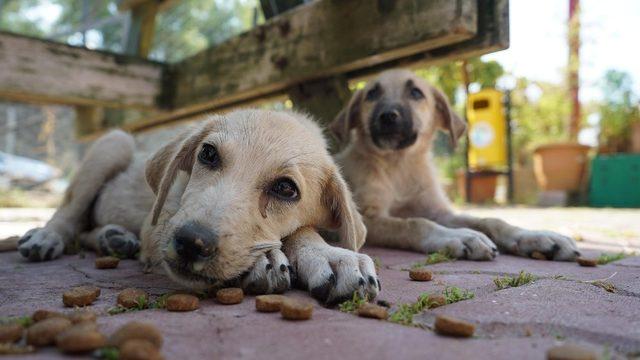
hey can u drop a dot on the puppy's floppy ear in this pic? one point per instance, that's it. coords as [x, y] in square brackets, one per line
[451, 122]
[343, 214]
[346, 119]
[162, 168]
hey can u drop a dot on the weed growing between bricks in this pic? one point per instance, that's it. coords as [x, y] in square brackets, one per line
[434, 258]
[523, 278]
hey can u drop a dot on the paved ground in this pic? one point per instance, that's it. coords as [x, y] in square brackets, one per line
[562, 305]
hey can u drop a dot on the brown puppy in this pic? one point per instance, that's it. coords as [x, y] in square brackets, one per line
[215, 205]
[388, 128]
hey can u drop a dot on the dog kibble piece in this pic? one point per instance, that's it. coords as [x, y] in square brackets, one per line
[269, 303]
[44, 333]
[373, 311]
[82, 316]
[570, 352]
[436, 300]
[40, 315]
[420, 274]
[296, 310]
[137, 349]
[538, 255]
[449, 326]
[10, 333]
[131, 297]
[80, 338]
[80, 296]
[229, 296]
[587, 262]
[107, 262]
[136, 330]
[182, 302]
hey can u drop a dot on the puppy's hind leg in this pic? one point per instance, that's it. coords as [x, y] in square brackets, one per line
[108, 156]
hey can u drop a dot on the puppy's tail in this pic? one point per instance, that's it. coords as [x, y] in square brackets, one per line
[9, 244]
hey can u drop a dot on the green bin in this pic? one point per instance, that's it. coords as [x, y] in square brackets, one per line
[615, 181]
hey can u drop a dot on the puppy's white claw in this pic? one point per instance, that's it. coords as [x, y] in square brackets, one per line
[270, 274]
[41, 245]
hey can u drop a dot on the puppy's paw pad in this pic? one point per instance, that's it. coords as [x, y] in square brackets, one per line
[552, 245]
[41, 245]
[117, 241]
[270, 274]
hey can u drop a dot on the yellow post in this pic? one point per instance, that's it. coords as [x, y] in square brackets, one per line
[487, 130]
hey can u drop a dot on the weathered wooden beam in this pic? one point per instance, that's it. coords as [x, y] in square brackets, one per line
[42, 71]
[88, 119]
[492, 35]
[317, 40]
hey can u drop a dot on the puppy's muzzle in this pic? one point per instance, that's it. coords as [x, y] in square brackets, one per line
[391, 127]
[194, 242]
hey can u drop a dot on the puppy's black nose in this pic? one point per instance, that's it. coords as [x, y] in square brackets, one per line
[195, 242]
[389, 119]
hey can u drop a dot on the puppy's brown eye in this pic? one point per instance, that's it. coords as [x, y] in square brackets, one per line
[284, 189]
[209, 156]
[416, 94]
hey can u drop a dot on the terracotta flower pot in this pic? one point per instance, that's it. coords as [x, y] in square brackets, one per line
[483, 187]
[560, 166]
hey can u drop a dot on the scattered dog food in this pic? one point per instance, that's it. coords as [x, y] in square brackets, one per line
[420, 274]
[570, 352]
[80, 338]
[587, 262]
[133, 298]
[538, 255]
[10, 333]
[40, 315]
[80, 296]
[292, 309]
[229, 296]
[107, 262]
[182, 302]
[436, 300]
[269, 303]
[136, 330]
[44, 332]
[373, 311]
[82, 316]
[137, 349]
[449, 326]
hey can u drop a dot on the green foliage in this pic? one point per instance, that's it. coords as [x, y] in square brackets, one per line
[25, 321]
[618, 111]
[606, 258]
[507, 281]
[405, 312]
[141, 304]
[160, 303]
[434, 258]
[454, 294]
[354, 304]
[107, 353]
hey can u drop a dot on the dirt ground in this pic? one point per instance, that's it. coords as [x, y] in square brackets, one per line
[565, 302]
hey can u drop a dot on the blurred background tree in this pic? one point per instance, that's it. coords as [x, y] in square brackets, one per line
[618, 111]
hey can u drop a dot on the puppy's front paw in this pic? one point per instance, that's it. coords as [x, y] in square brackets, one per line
[333, 274]
[461, 243]
[552, 245]
[117, 241]
[41, 245]
[270, 274]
